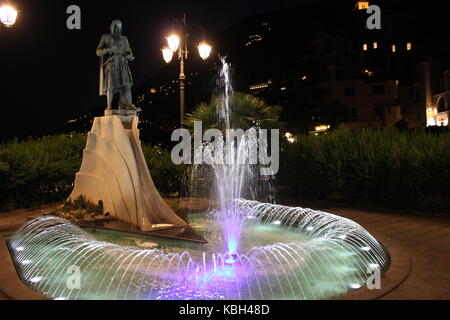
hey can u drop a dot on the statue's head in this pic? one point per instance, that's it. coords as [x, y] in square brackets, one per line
[116, 27]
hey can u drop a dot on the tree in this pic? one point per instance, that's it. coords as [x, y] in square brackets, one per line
[246, 111]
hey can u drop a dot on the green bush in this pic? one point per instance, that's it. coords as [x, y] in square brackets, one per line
[38, 171]
[165, 174]
[82, 203]
[246, 111]
[370, 167]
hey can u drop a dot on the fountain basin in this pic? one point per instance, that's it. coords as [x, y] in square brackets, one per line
[284, 254]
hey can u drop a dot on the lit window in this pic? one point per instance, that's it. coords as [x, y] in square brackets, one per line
[259, 86]
[322, 128]
[253, 38]
[365, 46]
[394, 48]
[362, 5]
[290, 137]
[375, 45]
[409, 46]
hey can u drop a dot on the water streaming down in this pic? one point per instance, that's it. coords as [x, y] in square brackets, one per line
[228, 162]
[226, 89]
[232, 170]
[255, 250]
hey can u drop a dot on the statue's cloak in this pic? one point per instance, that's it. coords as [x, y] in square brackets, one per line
[114, 70]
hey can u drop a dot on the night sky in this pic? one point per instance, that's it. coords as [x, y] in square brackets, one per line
[49, 74]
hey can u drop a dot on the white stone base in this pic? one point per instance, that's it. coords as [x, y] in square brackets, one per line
[121, 112]
[114, 171]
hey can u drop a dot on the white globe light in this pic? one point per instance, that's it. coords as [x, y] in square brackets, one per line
[173, 41]
[167, 54]
[8, 16]
[204, 50]
[355, 286]
[36, 279]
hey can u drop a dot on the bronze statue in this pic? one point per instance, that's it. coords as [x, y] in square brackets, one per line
[115, 76]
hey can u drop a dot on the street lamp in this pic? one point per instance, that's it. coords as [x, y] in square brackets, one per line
[178, 43]
[8, 16]
[174, 42]
[204, 50]
[167, 54]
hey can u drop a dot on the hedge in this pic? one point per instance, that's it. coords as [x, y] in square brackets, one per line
[38, 171]
[386, 168]
[409, 170]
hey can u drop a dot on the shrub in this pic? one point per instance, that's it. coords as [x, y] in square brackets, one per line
[372, 167]
[83, 204]
[38, 171]
[246, 111]
[165, 174]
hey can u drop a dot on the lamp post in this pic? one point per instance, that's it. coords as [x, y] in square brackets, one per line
[178, 43]
[8, 16]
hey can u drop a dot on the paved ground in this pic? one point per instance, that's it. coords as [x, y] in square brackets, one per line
[426, 239]
[18, 217]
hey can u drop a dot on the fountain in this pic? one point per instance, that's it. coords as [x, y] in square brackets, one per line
[254, 251]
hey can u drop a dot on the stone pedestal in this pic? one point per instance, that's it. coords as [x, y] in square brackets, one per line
[121, 112]
[114, 172]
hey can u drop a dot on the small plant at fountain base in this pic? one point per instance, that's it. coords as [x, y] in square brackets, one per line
[82, 210]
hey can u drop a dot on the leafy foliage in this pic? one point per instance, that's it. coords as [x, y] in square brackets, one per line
[371, 167]
[83, 204]
[38, 171]
[165, 174]
[246, 111]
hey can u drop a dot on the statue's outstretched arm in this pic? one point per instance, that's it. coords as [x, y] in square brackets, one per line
[102, 49]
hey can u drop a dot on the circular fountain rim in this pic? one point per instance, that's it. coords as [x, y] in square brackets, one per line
[322, 214]
[399, 270]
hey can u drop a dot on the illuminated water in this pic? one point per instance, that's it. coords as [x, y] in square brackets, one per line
[228, 166]
[287, 254]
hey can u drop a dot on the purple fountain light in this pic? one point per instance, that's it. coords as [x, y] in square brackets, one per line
[230, 176]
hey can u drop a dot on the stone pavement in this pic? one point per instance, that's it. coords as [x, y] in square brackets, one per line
[424, 237]
[427, 241]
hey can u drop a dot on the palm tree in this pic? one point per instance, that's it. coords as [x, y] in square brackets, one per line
[246, 111]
